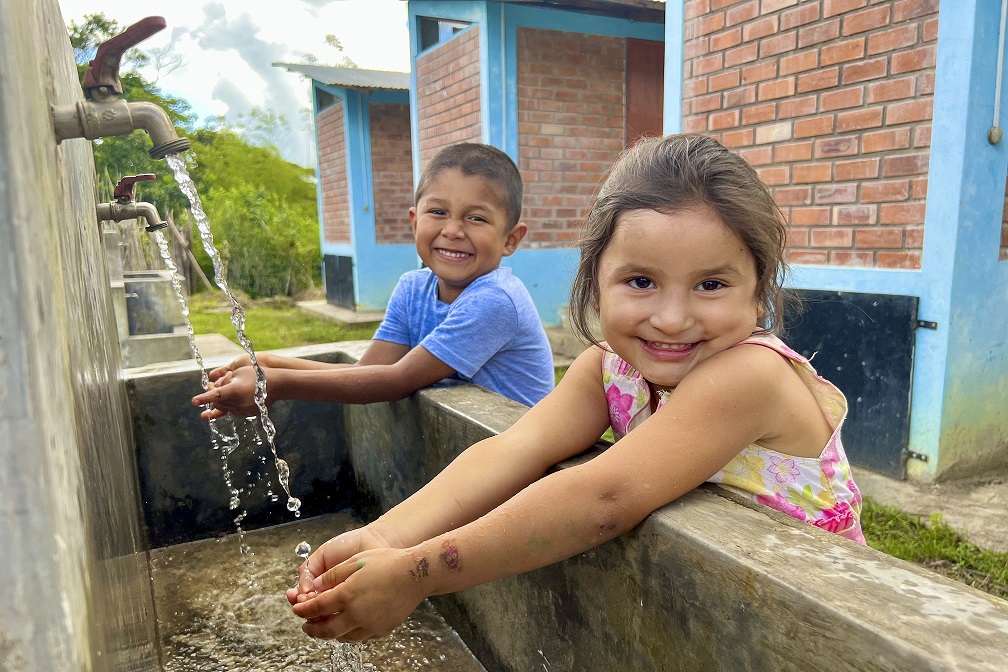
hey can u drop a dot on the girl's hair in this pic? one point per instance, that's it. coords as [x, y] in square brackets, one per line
[672, 174]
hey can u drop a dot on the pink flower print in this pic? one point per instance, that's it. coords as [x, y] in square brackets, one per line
[779, 503]
[619, 407]
[836, 519]
[783, 469]
[852, 486]
[829, 458]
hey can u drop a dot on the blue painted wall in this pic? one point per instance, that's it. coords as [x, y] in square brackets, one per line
[376, 268]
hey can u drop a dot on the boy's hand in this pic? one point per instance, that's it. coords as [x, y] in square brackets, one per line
[332, 553]
[234, 393]
[366, 596]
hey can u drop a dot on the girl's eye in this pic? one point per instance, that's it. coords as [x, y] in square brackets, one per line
[641, 283]
[711, 285]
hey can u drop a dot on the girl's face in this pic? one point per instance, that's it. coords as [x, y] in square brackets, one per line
[675, 290]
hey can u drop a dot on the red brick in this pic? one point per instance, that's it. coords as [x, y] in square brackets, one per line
[740, 97]
[913, 237]
[805, 173]
[859, 120]
[780, 88]
[796, 237]
[740, 138]
[768, 133]
[851, 258]
[741, 13]
[723, 120]
[822, 79]
[743, 54]
[909, 111]
[836, 193]
[793, 196]
[707, 64]
[804, 13]
[880, 141]
[840, 52]
[915, 59]
[898, 259]
[757, 114]
[899, 37]
[759, 72]
[760, 28]
[807, 257]
[710, 23]
[818, 33]
[907, 164]
[695, 8]
[930, 33]
[878, 191]
[834, 7]
[891, 89]
[805, 60]
[832, 237]
[804, 128]
[904, 10]
[843, 98]
[864, 70]
[855, 214]
[919, 187]
[778, 44]
[869, 19]
[726, 39]
[768, 6]
[774, 175]
[796, 107]
[875, 237]
[792, 151]
[811, 216]
[757, 156]
[706, 103]
[901, 213]
[838, 146]
[857, 169]
[925, 83]
[723, 80]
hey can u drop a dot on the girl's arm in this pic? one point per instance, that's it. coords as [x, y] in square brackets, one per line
[726, 403]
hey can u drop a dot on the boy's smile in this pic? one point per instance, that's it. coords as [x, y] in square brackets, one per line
[675, 289]
[460, 225]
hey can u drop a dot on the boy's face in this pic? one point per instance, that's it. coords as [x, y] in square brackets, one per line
[460, 228]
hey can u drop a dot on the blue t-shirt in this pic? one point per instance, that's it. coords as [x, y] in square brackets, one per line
[491, 334]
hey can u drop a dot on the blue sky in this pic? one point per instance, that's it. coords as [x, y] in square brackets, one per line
[228, 48]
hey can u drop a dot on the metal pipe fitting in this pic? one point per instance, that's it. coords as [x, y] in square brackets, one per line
[117, 212]
[114, 116]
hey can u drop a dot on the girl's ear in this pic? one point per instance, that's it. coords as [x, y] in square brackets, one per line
[513, 237]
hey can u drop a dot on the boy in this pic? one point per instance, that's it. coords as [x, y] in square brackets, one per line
[461, 316]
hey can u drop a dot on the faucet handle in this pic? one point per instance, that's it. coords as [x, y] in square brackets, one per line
[103, 70]
[123, 192]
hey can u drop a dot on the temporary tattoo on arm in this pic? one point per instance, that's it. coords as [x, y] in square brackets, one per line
[421, 570]
[450, 557]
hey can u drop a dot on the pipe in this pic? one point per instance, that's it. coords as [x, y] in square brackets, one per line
[117, 212]
[114, 116]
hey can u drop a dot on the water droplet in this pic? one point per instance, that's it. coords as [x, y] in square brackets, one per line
[293, 504]
[303, 550]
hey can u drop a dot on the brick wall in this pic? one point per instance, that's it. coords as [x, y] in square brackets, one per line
[448, 94]
[1003, 256]
[333, 174]
[570, 126]
[391, 172]
[831, 101]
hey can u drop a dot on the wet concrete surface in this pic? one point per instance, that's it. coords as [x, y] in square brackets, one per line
[975, 508]
[219, 610]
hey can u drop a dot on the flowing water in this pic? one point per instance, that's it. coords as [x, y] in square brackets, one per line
[208, 620]
[188, 188]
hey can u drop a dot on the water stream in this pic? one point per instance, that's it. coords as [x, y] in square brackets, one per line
[237, 320]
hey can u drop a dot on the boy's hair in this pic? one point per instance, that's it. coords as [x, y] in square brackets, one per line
[484, 161]
[672, 174]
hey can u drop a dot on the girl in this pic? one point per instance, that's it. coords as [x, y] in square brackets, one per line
[682, 265]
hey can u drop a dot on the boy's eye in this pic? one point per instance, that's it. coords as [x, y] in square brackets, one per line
[641, 283]
[711, 285]
[437, 211]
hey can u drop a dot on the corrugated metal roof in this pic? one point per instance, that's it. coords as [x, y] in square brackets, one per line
[354, 78]
[652, 11]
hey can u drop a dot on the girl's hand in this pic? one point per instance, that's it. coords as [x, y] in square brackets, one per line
[366, 596]
[239, 362]
[233, 393]
[332, 553]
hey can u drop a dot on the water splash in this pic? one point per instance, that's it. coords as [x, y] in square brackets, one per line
[237, 320]
[303, 550]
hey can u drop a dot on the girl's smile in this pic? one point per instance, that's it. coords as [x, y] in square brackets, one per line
[674, 290]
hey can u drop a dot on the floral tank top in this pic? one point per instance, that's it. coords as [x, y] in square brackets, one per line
[817, 490]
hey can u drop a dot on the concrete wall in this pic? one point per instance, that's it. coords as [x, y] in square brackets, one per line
[74, 588]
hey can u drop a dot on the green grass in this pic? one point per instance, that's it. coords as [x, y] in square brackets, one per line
[271, 323]
[926, 541]
[929, 542]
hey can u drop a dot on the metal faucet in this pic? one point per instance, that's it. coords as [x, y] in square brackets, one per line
[125, 206]
[105, 113]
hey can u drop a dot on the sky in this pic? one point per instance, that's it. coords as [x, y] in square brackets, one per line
[228, 48]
